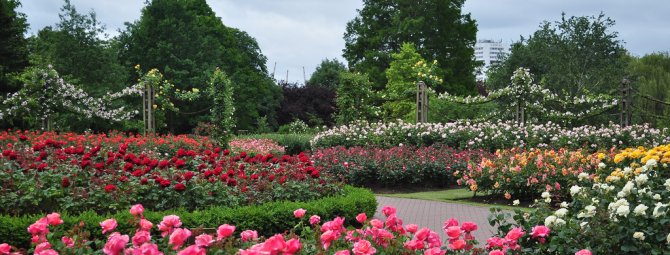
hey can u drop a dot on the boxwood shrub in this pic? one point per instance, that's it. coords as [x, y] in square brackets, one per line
[267, 219]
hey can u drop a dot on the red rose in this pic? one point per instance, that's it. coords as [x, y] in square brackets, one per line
[144, 181]
[110, 188]
[179, 187]
[315, 174]
[23, 137]
[179, 163]
[65, 182]
[188, 175]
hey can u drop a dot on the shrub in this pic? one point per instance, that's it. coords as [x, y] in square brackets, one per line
[293, 143]
[312, 104]
[256, 146]
[433, 166]
[267, 219]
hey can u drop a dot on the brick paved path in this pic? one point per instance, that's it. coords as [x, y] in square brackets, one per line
[433, 214]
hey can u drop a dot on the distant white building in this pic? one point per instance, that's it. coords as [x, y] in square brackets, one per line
[489, 52]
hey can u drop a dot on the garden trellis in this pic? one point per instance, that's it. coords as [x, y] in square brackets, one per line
[532, 100]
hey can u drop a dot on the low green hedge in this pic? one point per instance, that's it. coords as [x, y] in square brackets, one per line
[294, 143]
[267, 219]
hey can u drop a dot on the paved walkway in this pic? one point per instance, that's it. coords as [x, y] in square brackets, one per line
[433, 214]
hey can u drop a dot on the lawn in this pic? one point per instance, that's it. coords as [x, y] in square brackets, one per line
[461, 196]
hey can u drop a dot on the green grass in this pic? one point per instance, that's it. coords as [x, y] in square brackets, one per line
[461, 196]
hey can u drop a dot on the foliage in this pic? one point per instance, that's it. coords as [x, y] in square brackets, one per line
[262, 125]
[490, 135]
[13, 45]
[433, 166]
[651, 78]
[621, 209]
[74, 173]
[571, 57]
[382, 26]
[186, 41]
[406, 69]
[526, 174]
[355, 98]
[327, 74]
[293, 143]
[313, 104]
[267, 218]
[221, 92]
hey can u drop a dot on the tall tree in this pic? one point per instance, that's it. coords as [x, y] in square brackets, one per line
[327, 74]
[571, 57]
[13, 46]
[651, 77]
[186, 41]
[438, 29]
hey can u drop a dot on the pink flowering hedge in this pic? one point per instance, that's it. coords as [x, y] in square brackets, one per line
[45, 171]
[256, 146]
[311, 234]
[433, 166]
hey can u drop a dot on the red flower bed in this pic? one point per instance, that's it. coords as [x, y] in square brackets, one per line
[44, 172]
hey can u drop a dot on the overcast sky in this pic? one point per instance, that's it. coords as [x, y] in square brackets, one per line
[300, 33]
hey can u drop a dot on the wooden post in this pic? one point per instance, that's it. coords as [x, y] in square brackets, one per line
[148, 109]
[421, 103]
[626, 101]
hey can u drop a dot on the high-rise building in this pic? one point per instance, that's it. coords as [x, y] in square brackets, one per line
[489, 52]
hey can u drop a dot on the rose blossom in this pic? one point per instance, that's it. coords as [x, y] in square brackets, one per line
[178, 237]
[224, 231]
[108, 225]
[204, 240]
[583, 252]
[115, 244]
[315, 219]
[248, 235]
[363, 247]
[361, 217]
[299, 213]
[137, 210]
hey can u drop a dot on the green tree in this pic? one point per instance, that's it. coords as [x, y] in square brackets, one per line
[13, 46]
[354, 98]
[407, 68]
[651, 77]
[573, 56]
[327, 74]
[186, 41]
[438, 29]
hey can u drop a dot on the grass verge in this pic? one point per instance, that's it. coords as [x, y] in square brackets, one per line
[460, 196]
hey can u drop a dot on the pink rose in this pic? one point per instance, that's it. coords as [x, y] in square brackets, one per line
[434, 240]
[388, 210]
[376, 223]
[115, 244]
[146, 225]
[40, 227]
[54, 219]
[361, 217]
[249, 235]
[47, 252]
[147, 249]
[327, 238]
[168, 224]
[515, 234]
[67, 241]
[43, 246]
[204, 240]
[292, 246]
[137, 210]
[192, 250]
[496, 252]
[315, 219]
[363, 247]
[540, 231]
[299, 213]
[495, 242]
[178, 237]
[457, 245]
[450, 223]
[274, 244]
[469, 226]
[422, 234]
[5, 248]
[414, 245]
[224, 231]
[434, 251]
[108, 225]
[343, 252]
[412, 228]
[453, 232]
[141, 237]
[583, 252]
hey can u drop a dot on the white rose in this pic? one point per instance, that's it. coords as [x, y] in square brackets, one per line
[657, 197]
[640, 210]
[651, 163]
[564, 205]
[583, 176]
[638, 235]
[659, 210]
[515, 202]
[549, 221]
[574, 190]
[601, 165]
[667, 184]
[641, 179]
[561, 212]
[623, 210]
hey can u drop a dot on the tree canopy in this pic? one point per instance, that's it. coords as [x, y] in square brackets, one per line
[438, 29]
[327, 74]
[13, 46]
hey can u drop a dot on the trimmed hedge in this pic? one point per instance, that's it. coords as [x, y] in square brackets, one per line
[267, 219]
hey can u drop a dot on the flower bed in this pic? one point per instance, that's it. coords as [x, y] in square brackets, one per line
[310, 235]
[432, 166]
[521, 174]
[256, 146]
[489, 136]
[622, 209]
[43, 172]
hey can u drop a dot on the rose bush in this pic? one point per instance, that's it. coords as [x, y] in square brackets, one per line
[489, 135]
[72, 173]
[525, 174]
[309, 236]
[621, 209]
[256, 146]
[432, 166]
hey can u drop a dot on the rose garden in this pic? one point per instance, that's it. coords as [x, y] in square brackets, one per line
[223, 159]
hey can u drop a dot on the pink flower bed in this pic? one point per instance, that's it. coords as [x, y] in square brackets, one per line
[256, 146]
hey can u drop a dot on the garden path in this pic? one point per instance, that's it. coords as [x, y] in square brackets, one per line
[433, 214]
